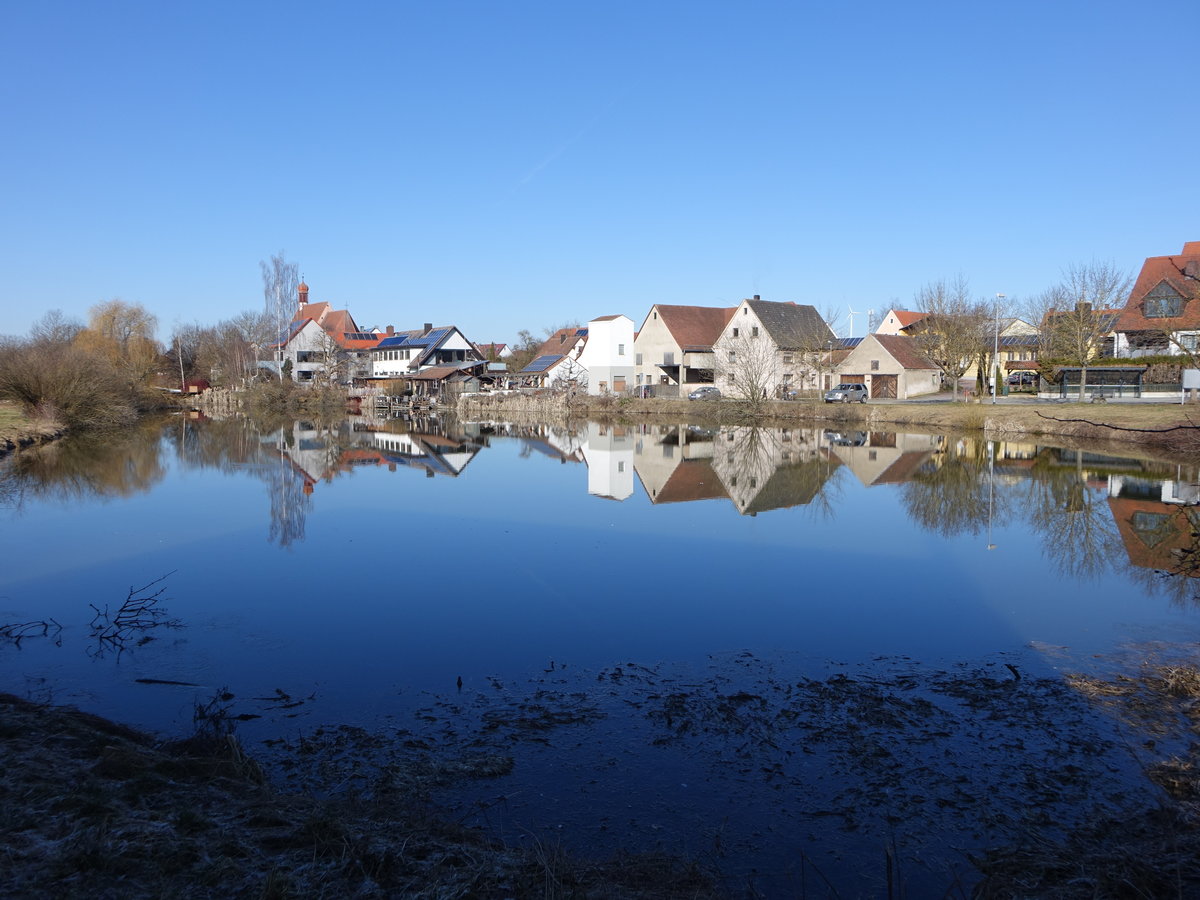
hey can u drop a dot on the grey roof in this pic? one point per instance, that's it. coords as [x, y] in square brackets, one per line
[792, 326]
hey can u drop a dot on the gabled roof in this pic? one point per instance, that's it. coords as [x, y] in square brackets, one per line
[792, 326]
[907, 317]
[1182, 273]
[904, 350]
[542, 363]
[562, 341]
[694, 327]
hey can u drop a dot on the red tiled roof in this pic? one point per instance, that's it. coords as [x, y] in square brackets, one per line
[606, 318]
[695, 326]
[559, 343]
[904, 350]
[908, 317]
[693, 479]
[1182, 273]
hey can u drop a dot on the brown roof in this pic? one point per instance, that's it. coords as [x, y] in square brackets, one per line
[559, 343]
[904, 350]
[1182, 273]
[792, 326]
[693, 479]
[606, 318]
[694, 327]
[908, 317]
[1154, 533]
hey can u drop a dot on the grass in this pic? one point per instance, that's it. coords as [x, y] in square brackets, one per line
[18, 429]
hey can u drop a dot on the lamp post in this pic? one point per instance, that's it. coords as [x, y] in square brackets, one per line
[996, 349]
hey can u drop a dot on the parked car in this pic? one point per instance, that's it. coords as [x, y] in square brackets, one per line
[847, 393]
[1023, 379]
[643, 391]
[846, 438]
[707, 392]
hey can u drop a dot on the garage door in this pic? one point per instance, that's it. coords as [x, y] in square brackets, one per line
[883, 387]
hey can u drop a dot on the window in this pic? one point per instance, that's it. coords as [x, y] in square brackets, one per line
[754, 331]
[787, 377]
[637, 359]
[1188, 341]
[733, 356]
[621, 467]
[735, 332]
[620, 349]
[1162, 302]
[669, 359]
[874, 365]
[787, 357]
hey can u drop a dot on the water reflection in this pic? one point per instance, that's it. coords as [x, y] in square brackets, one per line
[1091, 513]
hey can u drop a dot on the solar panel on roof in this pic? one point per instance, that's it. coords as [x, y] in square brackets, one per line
[541, 364]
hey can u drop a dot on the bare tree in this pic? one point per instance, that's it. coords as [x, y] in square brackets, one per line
[123, 333]
[950, 334]
[280, 282]
[749, 364]
[1080, 312]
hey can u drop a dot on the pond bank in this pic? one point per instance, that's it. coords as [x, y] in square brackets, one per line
[18, 431]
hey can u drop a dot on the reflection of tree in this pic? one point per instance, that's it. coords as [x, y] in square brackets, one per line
[121, 464]
[957, 497]
[290, 504]
[1073, 521]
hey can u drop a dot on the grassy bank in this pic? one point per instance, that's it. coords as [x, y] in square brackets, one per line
[1168, 428]
[17, 429]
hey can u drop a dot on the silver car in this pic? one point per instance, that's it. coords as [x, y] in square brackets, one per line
[847, 393]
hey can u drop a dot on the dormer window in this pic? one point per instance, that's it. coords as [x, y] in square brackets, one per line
[1162, 302]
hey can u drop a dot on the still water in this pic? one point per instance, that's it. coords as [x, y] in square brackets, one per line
[610, 582]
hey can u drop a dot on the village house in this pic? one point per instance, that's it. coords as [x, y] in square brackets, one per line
[607, 355]
[430, 359]
[673, 350]
[891, 366]
[767, 349]
[322, 344]
[556, 363]
[1162, 314]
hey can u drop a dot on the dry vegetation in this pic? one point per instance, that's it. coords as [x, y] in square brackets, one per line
[97, 810]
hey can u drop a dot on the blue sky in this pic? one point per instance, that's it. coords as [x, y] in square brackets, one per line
[508, 165]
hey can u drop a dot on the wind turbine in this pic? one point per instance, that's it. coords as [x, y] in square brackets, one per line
[852, 315]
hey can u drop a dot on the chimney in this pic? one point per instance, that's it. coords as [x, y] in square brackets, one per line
[756, 297]
[302, 292]
[391, 329]
[428, 327]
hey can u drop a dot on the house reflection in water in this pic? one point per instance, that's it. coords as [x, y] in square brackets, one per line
[608, 452]
[883, 457]
[1159, 522]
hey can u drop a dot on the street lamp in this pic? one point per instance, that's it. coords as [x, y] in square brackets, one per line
[996, 350]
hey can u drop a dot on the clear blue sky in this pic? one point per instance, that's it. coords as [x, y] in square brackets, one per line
[508, 165]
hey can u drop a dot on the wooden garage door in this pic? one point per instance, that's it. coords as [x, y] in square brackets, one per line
[853, 379]
[883, 387]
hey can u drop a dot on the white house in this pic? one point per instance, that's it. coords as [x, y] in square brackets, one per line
[673, 350]
[404, 353]
[608, 452]
[607, 355]
[891, 366]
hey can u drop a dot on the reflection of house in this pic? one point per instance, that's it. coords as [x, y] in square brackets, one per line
[1163, 311]
[771, 468]
[769, 347]
[1156, 535]
[324, 343]
[608, 451]
[674, 463]
[435, 454]
[883, 457]
[891, 366]
[674, 347]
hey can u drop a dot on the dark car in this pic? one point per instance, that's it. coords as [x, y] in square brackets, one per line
[1023, 379]
[847, 393]
[707, 392]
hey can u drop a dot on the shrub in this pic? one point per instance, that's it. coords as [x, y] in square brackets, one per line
[61, 382]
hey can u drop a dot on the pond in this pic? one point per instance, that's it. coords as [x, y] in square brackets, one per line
[806, 657]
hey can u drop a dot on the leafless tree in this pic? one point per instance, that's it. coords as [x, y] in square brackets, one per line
[950, 334]
[280, 282]
[749, 363]
[1079, 312]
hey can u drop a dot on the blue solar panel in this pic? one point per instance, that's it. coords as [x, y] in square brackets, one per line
[541, 364]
